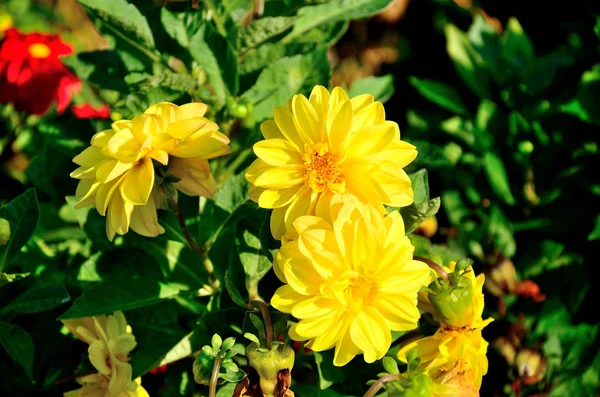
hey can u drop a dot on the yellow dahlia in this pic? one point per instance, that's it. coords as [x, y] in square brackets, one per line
[326, 145]
[117, 171]
[350, 279]
[110, 341]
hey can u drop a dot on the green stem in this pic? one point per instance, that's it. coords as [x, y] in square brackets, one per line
[214, 378]
[379, 384]
[213, 9]
[208, 265]
[133, 43]
[264, 311]
[440, 270]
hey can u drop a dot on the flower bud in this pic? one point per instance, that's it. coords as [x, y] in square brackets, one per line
[269, 363]
[531, 366]
[503, 278]
[506, 349]
[452, 301]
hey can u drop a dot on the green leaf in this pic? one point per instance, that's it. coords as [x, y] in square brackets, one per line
[517, 49]
[216, 342]
[233, 292]
[595, 234]
[124, 18]
[288, 76]
[18, 345]
[120, 294]
[420, 186]
[390, 365]
[466, 61]
[39, 298]
[497, 177]
[382, 88]
[218, 59]
[439, 93]
[22, 213]
[252, 254]
[174, 25]
[9, 278]
[262, 30]
[233, 194]
[587, 101]
[415, 214]
[328, 373]
[544, 257]
[501, 231]
[333, 11]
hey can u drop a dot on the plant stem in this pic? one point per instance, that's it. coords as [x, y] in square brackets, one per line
[214, 377]
[208, 265]
[213, 10]
[264, 310]
[379, 384]
[440, 270]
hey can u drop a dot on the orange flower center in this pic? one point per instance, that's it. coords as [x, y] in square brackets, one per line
[39, 50]
[364, 290]
[322, 170]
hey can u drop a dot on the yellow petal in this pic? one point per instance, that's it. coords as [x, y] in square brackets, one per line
[396, 184]
[399, 312]
[285, 121]
[319, 99]
[100, 139]
[270, 130]
[144, 220]
[112, 169]
[146, 125]
[203, 144]
[317, 327]
[306, 118]
[370, 334]
[338, 125]
[83, 173]
[301, 275]
[194, 109]
[86, 192]
[123, 145]
[194, 176]
[278, 153]
[275, 198]
[338, 95]
[369, 115]
[159, 155]
[121, 125]
[371, 139]
[167, 110]
[277, 222]
[327, 338]
[360, 102]
[119, 213]
[90, 157]
[345, 350]
[138, 182]
[285, 298]
[184, 128]
[315, 307]
[277, 178]
[104, 194]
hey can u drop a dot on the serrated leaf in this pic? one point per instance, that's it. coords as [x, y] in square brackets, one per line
[415, 214]
[497, 177]
[439, 93]
[124, 18]
[120, 294]
[22, 213]
[262, 30]
[288, 76]
[382, 88]
[39, 298]
[333, 11]
[18, 345]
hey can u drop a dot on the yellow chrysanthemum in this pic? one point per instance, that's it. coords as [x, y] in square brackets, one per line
[326, 145]
[96, 385]
[117, 171]
[110, 341]
[350, 280]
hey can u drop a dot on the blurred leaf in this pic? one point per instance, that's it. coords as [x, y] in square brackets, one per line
[333, 11]
[262, 30]
[120, 294]
[420, 186]
[586, 103]
[467, 62]
[382, 88]
[543, 257]
[415, 214]
[483, 133]
[123, 19]
[517, 49]
[22, 213]
[39, 298]
[595, 234]
[439, 93]
[497, 177]
[288, 76]
[455, 207]
[218, 59]
[9, 278]
[328, 373]
[500, 229]
[18, 345]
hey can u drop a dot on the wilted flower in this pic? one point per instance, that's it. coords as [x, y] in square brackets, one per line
[118, 175]
[327, 145]
[350, 280]
[110, 341]
[31, 73]
[531, 365]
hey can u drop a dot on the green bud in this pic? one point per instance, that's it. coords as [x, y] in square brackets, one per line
[453, 300]
[526, 147]
[4, 231]
[420, 385]
[268, 363]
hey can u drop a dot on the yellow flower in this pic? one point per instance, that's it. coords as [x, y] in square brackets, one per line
[457, 381]
[455, 350]
[117, 172]
[110, 341]
[350, 280]
[96, 385]
[326, 145]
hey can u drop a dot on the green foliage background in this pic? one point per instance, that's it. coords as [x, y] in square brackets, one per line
[507, 125]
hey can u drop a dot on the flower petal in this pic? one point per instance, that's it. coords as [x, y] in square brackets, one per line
[138, 182]
[278, 153]
[144, 219]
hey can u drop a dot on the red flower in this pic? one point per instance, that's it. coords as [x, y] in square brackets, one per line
[87, 111]
[32, 76]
